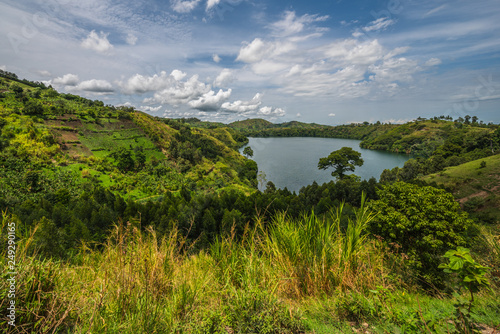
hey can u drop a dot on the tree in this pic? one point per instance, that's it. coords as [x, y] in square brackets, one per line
[248, 151]
[124, 159]
[33, 108]
[343, 160]
[424, 221]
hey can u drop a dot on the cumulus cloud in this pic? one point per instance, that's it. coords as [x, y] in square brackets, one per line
[216, 58]
[3, 67]
[268, 112]
[253, 52]
[345, 68]
[150, 109]
[139, 84]
[180, 92]
[331, 115]
[259, 49]
[178, 75]
[210, 101]
[96, 86]
[184, 6]
[131, 39]
[243, 106]
[97, 42]
[226, 76]
[67, 80]
[211, 4]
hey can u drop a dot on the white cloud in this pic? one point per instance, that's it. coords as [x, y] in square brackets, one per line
[254, 51]
[131, 39]
[180, 92]
[354, 52]
[216, 58]
[210, 101]
[3, 68]
[226, 76]
[433, 62]
[394, 69]
[96, 86]
[243, 106]
[150, 109]
[178, 75]
[291, 24]
[298, 115]
[67, 80]
[97, 42]
[184, 6]
[259, 49]
[139, 84]
[379, 24]
[331, 115]
[269, 112]
[212, 3]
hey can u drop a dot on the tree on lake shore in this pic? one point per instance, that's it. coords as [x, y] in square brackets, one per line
[344, 160]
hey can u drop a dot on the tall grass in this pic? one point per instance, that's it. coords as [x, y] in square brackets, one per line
[313, 256]
[258, 282]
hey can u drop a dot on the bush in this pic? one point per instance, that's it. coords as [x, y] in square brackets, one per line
[424, 221]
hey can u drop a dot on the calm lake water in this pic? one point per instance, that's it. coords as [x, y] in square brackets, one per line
[293, 162]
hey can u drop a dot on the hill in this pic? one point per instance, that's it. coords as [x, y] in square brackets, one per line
[476, 185]
[130, 153]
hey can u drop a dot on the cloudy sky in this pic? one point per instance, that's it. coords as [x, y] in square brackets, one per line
[330, 62]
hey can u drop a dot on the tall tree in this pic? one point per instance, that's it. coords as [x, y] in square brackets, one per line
[248, 151]
[344, 160]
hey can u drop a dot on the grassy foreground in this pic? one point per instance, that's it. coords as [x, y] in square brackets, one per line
[286, 276]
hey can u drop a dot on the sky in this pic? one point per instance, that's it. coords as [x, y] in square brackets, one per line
[329, 61]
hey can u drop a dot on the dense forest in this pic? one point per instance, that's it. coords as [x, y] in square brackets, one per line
[129, 223]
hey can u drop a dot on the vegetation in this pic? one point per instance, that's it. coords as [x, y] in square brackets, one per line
[127, 223]
[476, 188]
[343, 160]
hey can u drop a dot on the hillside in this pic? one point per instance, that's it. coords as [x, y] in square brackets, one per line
[476, 185]
[130, 153]
[425, 137]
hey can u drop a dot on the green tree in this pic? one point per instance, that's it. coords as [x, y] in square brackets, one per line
[124, 159]
[18, 90]
[248, 151]
[424, 221]
[344, 160]
[33, 108]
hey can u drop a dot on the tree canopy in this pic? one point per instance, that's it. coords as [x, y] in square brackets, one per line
[344, 160]
[248, 151]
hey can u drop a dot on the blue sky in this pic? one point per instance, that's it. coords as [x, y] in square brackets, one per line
[329, 62]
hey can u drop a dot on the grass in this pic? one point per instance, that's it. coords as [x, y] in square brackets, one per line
[287, 276]
[476, 188]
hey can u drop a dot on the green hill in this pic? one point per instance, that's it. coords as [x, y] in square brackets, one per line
[476, 185]
[135, 155]
[425, 137]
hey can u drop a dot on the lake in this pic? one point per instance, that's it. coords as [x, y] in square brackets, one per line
[292, 162]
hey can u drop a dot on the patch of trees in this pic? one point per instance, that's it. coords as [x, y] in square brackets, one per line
[14, 77]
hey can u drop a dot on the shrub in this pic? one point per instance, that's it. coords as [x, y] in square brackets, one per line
[424, 221]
